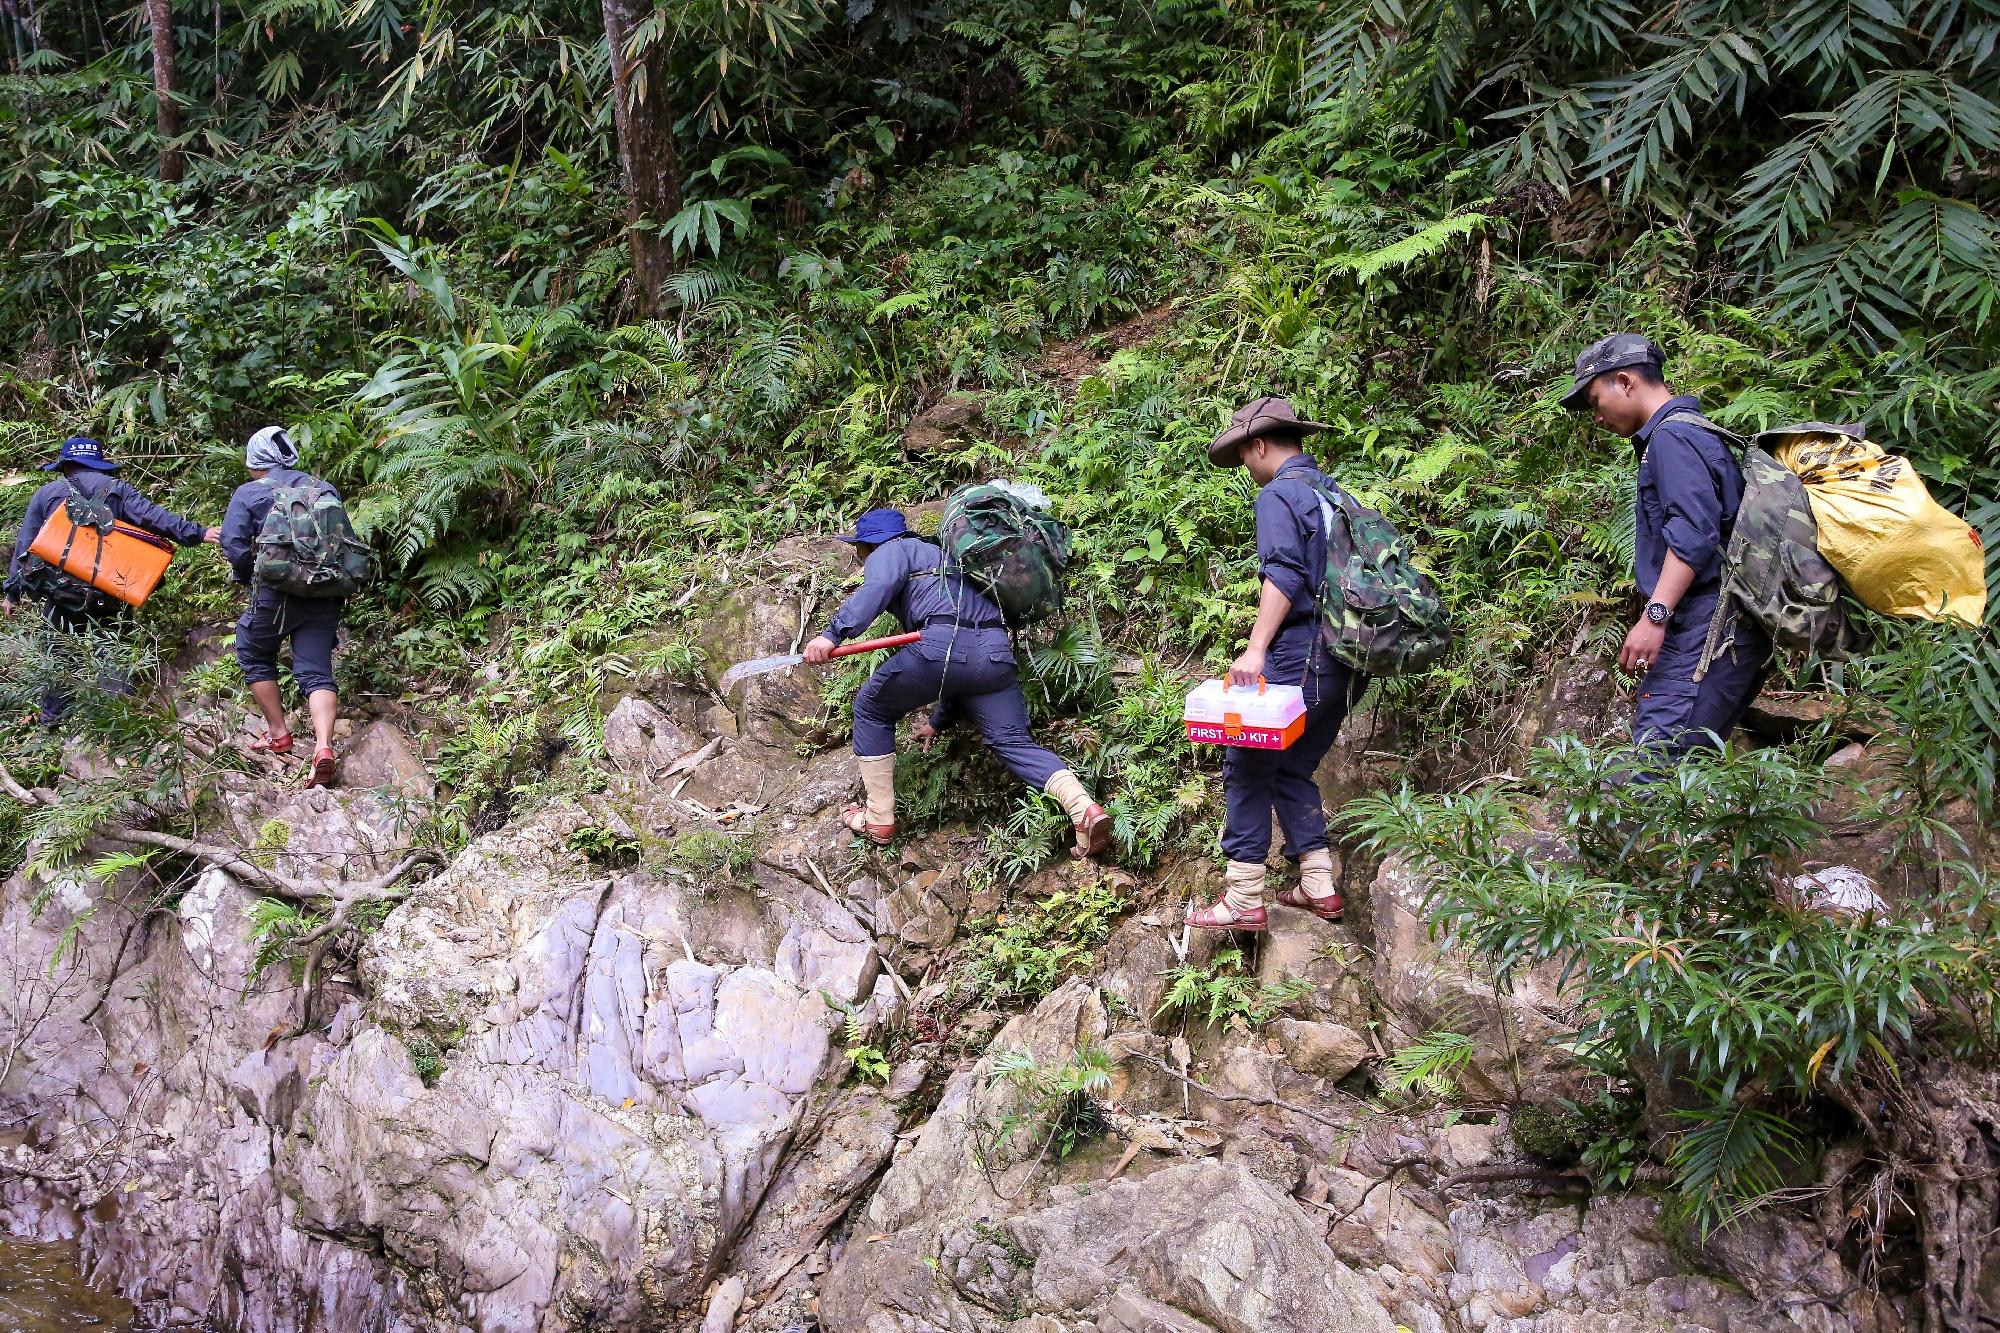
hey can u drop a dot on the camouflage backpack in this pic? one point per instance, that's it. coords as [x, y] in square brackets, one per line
[1772, 570]
[1379, 613]
[1003, 540]
[307, 548]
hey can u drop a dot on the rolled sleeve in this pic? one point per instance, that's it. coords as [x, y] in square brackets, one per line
[882, 577]
[1281, 554]
[1690, 501]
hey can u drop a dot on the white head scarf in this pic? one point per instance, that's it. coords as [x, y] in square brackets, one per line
[269, 448]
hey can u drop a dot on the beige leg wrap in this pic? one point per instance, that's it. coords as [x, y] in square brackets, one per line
[878, 779]
[1316, 874]
[1243, 886]
[1067, 789]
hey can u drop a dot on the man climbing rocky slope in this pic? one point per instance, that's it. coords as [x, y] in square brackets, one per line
[567, 1084]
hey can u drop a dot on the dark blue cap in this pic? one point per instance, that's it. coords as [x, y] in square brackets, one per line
[1621, 351]
[84, 450]
[877, 526]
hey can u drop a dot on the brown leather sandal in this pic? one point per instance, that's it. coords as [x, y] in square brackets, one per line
[1093, 832]
[1219, 915]
[855, 817]
[1329, 908]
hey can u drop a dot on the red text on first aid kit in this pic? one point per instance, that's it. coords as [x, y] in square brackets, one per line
[1261, 717]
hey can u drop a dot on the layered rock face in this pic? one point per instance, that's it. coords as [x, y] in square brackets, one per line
[554, 1093]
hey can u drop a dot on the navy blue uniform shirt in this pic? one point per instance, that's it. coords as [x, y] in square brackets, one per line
[125, 502]
[1291, 535]
[1690, 484]
[245, 518]
[900, 577]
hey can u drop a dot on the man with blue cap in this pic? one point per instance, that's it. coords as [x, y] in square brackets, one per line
[1690, 484]
[85, 471]
[963, 664]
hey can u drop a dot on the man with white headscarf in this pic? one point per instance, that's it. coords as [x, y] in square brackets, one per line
[311, 623]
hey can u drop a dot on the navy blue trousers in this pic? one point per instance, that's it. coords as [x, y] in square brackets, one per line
[1257, 784]
[982, 685]
[1675, 712]
[111, 679]
[311, 623]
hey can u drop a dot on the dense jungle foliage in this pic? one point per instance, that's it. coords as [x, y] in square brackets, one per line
[406, 232]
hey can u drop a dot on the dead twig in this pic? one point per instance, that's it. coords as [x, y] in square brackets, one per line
[1206, 1091]
[1395, 1168]
[1502, 1175]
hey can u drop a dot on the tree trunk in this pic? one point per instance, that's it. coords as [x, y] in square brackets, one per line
[160, 15]
[646, 149]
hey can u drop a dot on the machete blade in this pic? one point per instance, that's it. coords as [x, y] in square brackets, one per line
[757, 667]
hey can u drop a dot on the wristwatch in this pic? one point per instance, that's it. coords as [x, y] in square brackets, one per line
[1658, 612]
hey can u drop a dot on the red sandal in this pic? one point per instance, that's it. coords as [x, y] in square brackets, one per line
[1093, 832]
[269, 744]
[1219, 915]
[323, 768]
[1328, 908]
[855, 817]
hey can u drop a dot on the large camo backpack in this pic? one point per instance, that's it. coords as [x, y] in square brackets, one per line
[1379, 613]
[46, 583]
[307, 546]
[1772, 571]
[1004, 542]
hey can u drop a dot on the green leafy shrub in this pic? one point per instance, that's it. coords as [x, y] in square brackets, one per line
[1428, 1067]
[1675, 927]
[604, 846]
[1060, 1105]
[1224, 989]
[1021, 955]
[710, 855]
[275, 926]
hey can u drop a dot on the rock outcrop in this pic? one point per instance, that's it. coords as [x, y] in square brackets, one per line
[604, 1071]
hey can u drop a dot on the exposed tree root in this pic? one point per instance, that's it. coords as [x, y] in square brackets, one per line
[1936, 1125]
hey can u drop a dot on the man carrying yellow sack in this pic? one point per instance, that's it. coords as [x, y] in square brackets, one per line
[1900, 552]
[1690, 487]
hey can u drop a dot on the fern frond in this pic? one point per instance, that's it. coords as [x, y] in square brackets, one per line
[1730, 1158]
[1412, 249]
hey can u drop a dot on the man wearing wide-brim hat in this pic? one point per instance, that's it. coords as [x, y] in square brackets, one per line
[1266, 438]
[87, 471]
[1690, 484]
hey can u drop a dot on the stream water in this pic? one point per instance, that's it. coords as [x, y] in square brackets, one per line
[42, 1291]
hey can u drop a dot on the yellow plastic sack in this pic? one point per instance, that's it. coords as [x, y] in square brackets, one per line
[1901, 552]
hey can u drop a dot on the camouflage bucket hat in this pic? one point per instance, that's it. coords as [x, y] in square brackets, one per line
[1266, 414]
[1618, 352]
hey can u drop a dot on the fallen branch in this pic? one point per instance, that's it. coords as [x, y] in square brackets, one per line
[1395, 1167]
[344, 896]
[1206, 1091]
[1504, 1175]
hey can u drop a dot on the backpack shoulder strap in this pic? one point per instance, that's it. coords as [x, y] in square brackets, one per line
[1736, 442]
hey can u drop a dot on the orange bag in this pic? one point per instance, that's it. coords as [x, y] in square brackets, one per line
[127, 562]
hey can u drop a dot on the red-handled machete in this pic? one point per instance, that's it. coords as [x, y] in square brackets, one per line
[761, 665]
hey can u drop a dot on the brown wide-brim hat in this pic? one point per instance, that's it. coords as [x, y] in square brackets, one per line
[1260, 417]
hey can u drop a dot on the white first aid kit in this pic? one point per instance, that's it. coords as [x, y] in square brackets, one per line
[1258, 717]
